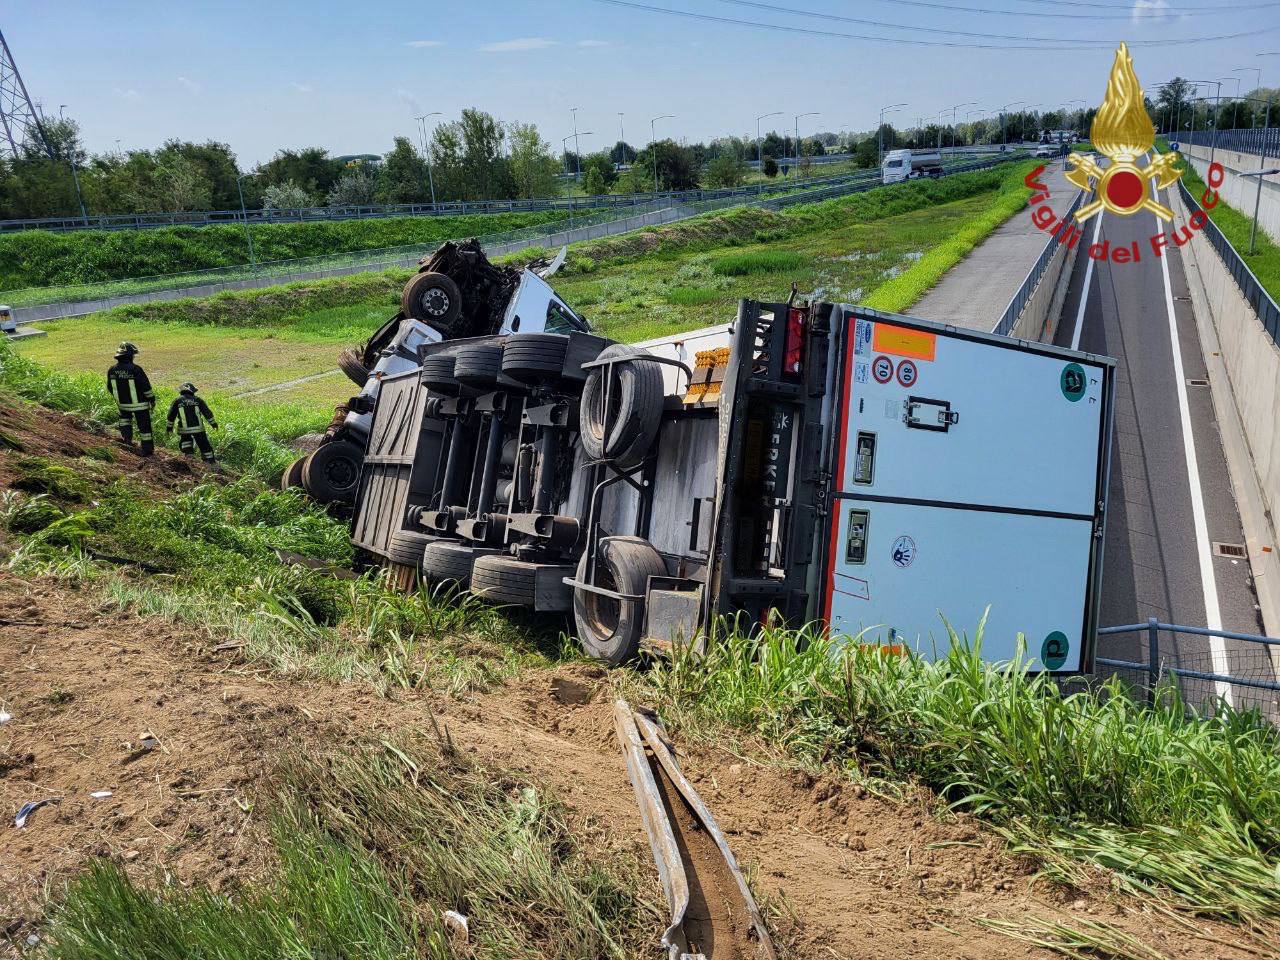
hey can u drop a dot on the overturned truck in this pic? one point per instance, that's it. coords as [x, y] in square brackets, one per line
[810, 462]
[456, 293]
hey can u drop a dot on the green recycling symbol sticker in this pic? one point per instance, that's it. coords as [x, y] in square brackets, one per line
[1053, 652]
[1072, 381]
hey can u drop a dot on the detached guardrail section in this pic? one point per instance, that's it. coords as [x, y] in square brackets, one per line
[1252, 683]
[1031, 305]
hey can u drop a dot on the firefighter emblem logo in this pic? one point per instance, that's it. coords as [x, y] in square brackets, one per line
[1123, 132]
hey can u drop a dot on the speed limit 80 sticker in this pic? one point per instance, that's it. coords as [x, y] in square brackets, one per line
[907, 373]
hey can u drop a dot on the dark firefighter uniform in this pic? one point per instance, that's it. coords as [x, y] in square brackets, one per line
[127, 382]
[190, 413]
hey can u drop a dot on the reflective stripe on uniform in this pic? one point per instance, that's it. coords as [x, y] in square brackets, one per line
[190, 430]
[135, 407]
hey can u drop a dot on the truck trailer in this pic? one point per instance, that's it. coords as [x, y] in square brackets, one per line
[902, 165]
[809, 463]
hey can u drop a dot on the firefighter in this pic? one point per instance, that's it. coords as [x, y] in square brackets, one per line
[191, 414]
[127, 382]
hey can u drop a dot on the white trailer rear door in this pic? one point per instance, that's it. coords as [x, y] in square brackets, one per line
[969, 473]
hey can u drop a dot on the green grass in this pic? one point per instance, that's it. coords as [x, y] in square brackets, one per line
[1185, 809]
[39, 258]
[373, 847]
[1236, 227]
[749, 263]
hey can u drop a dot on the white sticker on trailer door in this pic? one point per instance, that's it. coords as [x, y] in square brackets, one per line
[993, 424]
[900, 569]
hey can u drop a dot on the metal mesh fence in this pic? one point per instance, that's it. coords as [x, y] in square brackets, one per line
[1264, 141]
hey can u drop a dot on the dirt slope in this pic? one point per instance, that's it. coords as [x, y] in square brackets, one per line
[847, 873]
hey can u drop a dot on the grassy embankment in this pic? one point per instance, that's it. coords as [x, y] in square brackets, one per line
[1236, 227]
[40, 258]
[885, 247]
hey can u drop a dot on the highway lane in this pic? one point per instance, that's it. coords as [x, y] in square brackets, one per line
[1170, 495]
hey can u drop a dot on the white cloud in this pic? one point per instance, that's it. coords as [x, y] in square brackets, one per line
[1150, 11]
[425, 43]
[190, 85]
[593, 43]
[130, 94]
[518, 44]
[302, 87]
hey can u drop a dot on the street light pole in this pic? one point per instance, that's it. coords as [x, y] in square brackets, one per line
[880, 131]
[1004, 139]
[622, 132]
[759, 156]
[244, 217]
[653, 145]
[811, 113]
[971, 103]
[426, 154]
[577, 146]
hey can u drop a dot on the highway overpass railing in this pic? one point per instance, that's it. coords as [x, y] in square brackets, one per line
[1263, 304]
[1264, 141]
[1176, 654]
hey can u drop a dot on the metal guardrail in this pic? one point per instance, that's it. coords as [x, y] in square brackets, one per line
[1264, 141]
[1021, 296]
[200, 218]
[1259, 689]
[27, 301]
[1250, 288]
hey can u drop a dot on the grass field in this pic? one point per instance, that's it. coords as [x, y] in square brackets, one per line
[648, 284]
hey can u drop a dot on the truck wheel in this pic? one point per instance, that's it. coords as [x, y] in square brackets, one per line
[478, 366]
[529, 357]
[625, 432]
[349, 362]
[504, 579]
[292, 476]
[611, 630]
[447, 561]
[432, 298]
[331, 474]
[406, 547]
[437, 375]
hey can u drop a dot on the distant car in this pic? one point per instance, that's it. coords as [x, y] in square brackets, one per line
[1046, 151]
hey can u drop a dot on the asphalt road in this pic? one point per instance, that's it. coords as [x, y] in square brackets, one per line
[1169, 500]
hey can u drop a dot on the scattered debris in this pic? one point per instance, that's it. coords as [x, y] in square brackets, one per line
[5, 717]
[712, 909]
[28, 809]
[101, 794]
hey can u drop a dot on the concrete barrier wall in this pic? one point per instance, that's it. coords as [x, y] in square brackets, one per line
[1240, 192]
[1244, 376]
[1039, 318]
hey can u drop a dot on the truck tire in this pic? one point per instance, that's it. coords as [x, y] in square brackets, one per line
[407, 546]
[479, 365]
[437, 375]
[625, 433]
[450, 562]
[611, 630]
[332, 473]
[501, 578]
[349, 362]
[530, 357]
[292, 476]
[434, 299]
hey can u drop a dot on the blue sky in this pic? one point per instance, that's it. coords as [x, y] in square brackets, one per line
[349, 76]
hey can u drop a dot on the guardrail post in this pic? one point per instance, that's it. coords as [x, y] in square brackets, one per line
[1153, 658]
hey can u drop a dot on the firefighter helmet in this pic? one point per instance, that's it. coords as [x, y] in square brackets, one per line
[126, 349]
[187, 388]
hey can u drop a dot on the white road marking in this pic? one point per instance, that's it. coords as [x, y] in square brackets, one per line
[1212, 612]
[1088, 280]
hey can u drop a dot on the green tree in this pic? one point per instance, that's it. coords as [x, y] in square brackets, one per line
[311, 169]
[357, 188]
[533, 167]
[622, 153]
[181, 184]
[593, 184]
[726, 170]
[285, 196]
[215, 165]
[403, 177]
[675, 165]
[602, 164]
[770, 167]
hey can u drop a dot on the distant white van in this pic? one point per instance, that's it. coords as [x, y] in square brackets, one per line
[909, 164]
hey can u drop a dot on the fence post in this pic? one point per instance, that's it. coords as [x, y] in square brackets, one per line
[1153, 659]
